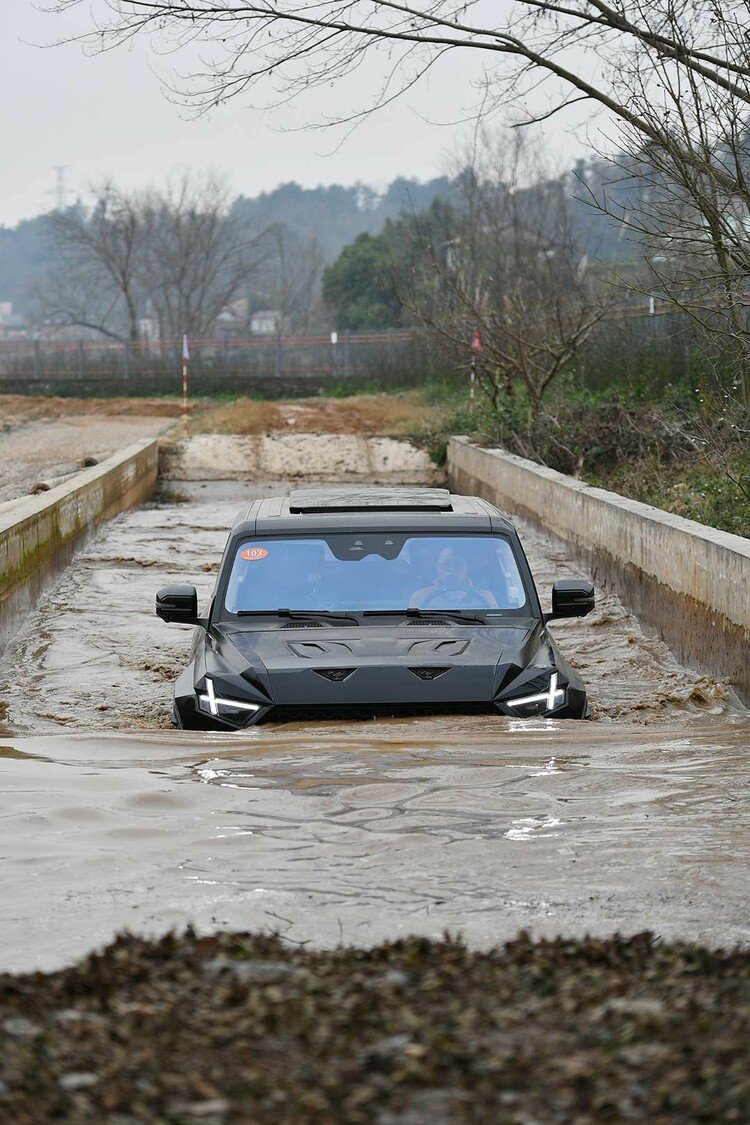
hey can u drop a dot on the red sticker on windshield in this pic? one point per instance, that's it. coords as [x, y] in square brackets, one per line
[252, 554]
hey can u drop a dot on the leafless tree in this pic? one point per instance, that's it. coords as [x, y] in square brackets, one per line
[299, 45]
[511, 270]
[297, 265]
[197, 259]
[674, 77]
[685, 198]
[177, 252]
[95, 285]
[71, 297]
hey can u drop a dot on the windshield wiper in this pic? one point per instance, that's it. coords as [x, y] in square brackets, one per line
[451, 614]
[298, 614]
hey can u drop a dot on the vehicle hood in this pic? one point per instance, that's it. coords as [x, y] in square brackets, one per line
[370, 663]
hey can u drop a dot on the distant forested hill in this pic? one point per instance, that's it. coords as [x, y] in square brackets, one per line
[25, 255]
[334, 215]
[309, 228]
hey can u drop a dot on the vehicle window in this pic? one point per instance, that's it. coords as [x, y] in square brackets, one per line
[355, 573]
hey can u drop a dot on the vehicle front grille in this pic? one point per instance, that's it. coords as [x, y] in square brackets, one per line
[365, 712]
[429, 673]
[335, 674]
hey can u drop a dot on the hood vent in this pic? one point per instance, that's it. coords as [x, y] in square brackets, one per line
[303, 625]
[334, 674]
[431, 622]
[429, 673]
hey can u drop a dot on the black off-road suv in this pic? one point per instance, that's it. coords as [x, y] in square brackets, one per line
[359, 602]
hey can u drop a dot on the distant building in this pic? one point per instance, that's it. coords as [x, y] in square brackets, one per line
[265, 322]
[232, 320]
[149, 329]
[12, 326]
[149, 325]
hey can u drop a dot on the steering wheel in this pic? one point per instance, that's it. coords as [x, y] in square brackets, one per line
[458, 595]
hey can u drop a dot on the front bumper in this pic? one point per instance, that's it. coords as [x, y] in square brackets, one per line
[190, 717]
[375, 692]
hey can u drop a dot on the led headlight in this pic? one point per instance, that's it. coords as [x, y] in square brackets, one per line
[216, 705]
[541, 701]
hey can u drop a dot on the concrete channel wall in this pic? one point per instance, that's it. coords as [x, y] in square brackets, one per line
[689, 581]
[38, 534]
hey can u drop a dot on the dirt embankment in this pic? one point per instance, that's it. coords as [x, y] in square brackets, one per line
[383, 414]
[241, 1028]
[18, 409]
[386, 415]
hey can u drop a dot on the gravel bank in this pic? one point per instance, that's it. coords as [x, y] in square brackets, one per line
[242, 1028]
[34, 455]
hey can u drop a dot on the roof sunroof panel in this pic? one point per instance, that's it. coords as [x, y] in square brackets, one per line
[371, 499]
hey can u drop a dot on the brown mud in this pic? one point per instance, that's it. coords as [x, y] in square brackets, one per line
[354, 832]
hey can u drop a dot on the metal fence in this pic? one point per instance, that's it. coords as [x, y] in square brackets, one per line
[91, 368]
[650, 343]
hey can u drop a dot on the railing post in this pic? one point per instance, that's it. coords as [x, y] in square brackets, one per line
[37, 360]
[390, 345]
[80, 360]
[225, 358]
[334, 345]
[126, 361]
[347, 354]
[277, 356]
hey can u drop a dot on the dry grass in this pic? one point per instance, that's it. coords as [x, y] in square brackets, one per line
[409, 412]
[37, 408]
[406, 413]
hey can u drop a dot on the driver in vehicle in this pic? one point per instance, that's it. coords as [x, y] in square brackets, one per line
[452, 587]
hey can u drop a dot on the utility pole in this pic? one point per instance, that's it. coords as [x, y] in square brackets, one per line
[61, 191]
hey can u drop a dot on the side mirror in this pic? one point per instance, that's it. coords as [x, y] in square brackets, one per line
[571, 598]
[178, 603]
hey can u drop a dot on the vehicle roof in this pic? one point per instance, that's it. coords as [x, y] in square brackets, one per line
[360, 509]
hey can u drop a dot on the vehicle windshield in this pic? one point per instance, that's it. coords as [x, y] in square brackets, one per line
[357, 573]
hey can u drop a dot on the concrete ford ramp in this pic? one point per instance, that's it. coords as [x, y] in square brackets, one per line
[689, 581]
[314, 456]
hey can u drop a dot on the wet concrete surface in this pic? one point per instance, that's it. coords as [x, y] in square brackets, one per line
[336, 457]
[355, 832]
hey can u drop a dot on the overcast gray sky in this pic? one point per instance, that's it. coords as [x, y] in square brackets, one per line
[108, 115]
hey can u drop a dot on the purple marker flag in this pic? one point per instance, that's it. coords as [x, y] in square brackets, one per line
[185, 365]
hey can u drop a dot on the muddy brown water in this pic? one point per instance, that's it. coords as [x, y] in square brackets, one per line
[109, 819]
